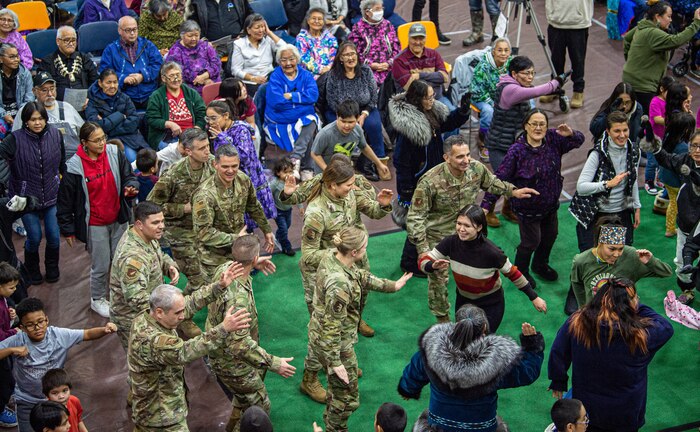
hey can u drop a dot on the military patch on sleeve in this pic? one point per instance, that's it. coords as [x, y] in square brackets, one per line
[133, 267]
[338, 307]
[310, 234]
[418, 198]
[166, 341]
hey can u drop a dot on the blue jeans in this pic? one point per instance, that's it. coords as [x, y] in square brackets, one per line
[651, 168]
[372, 128]
[485, 115]
[492, 7]
[284, 221]
[32, 224]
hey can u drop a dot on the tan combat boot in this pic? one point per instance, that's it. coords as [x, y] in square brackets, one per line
[189, 329]
[311, 386]
[548, 98]
[364, 329]
[385, 161]
[492, 220]
[577, 100]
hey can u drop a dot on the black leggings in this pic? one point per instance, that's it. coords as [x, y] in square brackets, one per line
[494, 305]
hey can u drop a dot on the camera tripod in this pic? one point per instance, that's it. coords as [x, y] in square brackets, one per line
[518, 8]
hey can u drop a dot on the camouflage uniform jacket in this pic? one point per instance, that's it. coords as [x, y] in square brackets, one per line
[333, 325]
[173, 190]
[217, 216]
[157, 359]
[243, 345]
[326, 215]
[439, 196]
[137, 269]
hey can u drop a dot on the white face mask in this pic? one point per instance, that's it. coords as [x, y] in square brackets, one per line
[377, 15]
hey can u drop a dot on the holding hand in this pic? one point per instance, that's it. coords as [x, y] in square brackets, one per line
[236, 321]
[441, 264]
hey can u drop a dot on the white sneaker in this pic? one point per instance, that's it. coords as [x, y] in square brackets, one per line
[100, 306]
[307, 175]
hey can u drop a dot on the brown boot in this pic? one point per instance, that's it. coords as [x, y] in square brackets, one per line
[234, 420]
[506, 211]
[577, 100]
[385, 161]
[189, 329]
[311, 386]
[364, 329]
[492, 220]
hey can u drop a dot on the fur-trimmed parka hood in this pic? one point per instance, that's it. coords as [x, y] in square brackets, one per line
[407, 120]
[477, 368]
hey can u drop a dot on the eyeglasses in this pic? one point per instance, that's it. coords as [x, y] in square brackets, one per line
[68, 41]
[530, 73]
[429, 98]
[537, 125]
[37, 325]
[100, 140]
[349, 55]
[212, 119]
[7, 21]
[174, 77]
[315, 19]
[46, 90]
[132, 30]
[694, 147]
[288, 60]
[585, 421]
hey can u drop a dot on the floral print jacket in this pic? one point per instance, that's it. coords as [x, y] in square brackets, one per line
[316, 53]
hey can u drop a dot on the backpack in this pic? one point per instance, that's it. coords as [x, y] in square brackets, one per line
[463, 72]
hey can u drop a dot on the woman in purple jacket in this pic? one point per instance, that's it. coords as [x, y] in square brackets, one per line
[609, 344]
[534, 161]
[95, 11]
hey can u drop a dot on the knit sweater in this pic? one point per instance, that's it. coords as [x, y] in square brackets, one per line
[376, 43]
[162, 34]
[362, 89]
[538, 168]
[588, 272]
[475, 266]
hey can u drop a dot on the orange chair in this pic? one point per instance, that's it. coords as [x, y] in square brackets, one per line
[210, 92]
[32, 15]
[431, 38]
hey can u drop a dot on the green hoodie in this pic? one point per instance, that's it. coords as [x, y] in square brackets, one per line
[648, 50]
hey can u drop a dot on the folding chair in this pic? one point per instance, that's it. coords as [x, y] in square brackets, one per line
[32, 15]
[275, 16]
[94, 37]
[210, 92]
[42, 43]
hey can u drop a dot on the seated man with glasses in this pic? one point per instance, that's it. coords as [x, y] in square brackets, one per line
[136, 60]
[71, 69]
[62, 115]
[38, 348]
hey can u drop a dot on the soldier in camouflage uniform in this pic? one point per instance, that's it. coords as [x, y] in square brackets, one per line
[157, 356]
[241, 363]
[218, 207]
[137, 268]
[333, 205]
[336, 313]
[440, 194]
[173, 192]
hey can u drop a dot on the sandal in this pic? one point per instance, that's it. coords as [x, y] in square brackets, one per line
[687, 297]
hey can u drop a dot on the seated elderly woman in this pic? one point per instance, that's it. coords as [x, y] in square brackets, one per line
[251, 57]
[160, 24]
[317, 45]
[487, 73]
[71, 69]
[9, 22]
[376, 40]
[335, 12]
[290, 116]
[12, 97]
[200, 64]
[115, 113]
[173, 108]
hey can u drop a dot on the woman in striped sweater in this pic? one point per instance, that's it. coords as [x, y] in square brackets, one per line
[476, 262]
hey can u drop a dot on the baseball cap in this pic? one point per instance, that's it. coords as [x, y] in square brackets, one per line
[42, 78]
[417, 29]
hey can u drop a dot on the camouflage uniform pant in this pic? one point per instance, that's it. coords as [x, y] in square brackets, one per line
[438, 302]
[187, 259]
[179, 427]
[123, 331]
[343, 399]
[308, 281]
[248, 390]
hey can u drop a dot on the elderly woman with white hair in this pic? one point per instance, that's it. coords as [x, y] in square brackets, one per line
[173, 108]
[200, 63]
[376, 40]
[290, 116]
[9, 22]
[251, 59]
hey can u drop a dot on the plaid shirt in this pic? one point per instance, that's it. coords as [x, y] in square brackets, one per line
[130, 50]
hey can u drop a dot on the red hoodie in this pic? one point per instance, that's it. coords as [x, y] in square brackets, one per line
[102, 190]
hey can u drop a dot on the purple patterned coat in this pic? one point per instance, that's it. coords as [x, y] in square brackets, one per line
[195, 61]
[376, 43]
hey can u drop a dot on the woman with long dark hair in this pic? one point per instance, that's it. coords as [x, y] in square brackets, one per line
[609, 344]
[624, 99]
[236, 94]
[465, 366]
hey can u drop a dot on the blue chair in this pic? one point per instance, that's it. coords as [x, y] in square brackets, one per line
[42, 43]
[70, 6]
[275, 16]
[94, 37]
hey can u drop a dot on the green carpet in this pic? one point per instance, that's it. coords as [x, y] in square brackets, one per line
[400, 318]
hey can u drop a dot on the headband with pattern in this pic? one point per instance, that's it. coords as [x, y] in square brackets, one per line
[613, 235]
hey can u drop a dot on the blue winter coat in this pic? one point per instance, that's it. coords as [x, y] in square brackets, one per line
[610, 381]
[463, 384]
[112, 110]
[148, 63]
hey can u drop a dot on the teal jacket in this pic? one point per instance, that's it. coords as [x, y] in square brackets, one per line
[158, 112]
